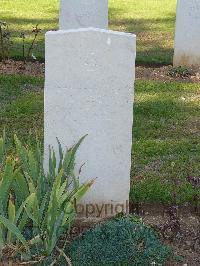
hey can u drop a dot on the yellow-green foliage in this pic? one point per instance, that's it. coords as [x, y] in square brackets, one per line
[41, 202]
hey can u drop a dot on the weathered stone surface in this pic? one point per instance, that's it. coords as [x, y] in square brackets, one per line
[82, 14]
[89, 90]
[187, 38]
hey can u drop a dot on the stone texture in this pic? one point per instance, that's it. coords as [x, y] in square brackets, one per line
[89, 90]
[82, 14]
[187, 38]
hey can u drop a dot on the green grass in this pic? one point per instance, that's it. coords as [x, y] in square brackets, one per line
[152, 20]
[21, 106]
[166, 140]
[166, 132]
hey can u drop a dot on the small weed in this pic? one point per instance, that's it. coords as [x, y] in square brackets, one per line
[36, 32]
[172, 227]
[6, 43]
[180, 71]
[195, 182]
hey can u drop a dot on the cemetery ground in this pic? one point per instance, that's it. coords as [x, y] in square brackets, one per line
[152, 21]
[165, 147]
[166, 131]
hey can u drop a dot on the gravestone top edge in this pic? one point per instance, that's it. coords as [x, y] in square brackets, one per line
[90, 29]
[83, 14]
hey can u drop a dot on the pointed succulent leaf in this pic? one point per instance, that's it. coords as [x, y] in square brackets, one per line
[15, 231]
[5, 184]
[11, 218]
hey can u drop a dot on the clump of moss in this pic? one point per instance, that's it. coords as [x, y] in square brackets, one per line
[119, 242]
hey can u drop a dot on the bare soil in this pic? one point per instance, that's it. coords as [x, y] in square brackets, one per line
[185, 242]
[166, 74]
[161, 73]
[11, 67]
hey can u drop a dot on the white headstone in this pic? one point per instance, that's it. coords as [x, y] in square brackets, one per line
[83, 14]
[187, 38]
[89, 90]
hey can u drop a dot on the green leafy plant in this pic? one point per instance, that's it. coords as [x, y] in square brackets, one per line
[119, 242]
[37, 201]
[180, 71]
[9, 213]
[2, 149]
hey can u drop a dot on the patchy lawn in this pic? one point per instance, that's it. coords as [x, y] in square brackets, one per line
[152, 20]
[166, 137]
[166, 132]
[21, 106]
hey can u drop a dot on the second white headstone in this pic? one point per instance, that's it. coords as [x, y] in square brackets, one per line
[187, 37]
[76, 14]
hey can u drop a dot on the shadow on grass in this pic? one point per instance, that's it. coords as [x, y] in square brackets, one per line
[21, 102]
[162, 110]
[165, 142]
[141, 25]
[17, 22]
[154, 35]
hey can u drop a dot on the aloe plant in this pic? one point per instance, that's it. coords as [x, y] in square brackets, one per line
[9, 231]
[42, 201]
[2, 149]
